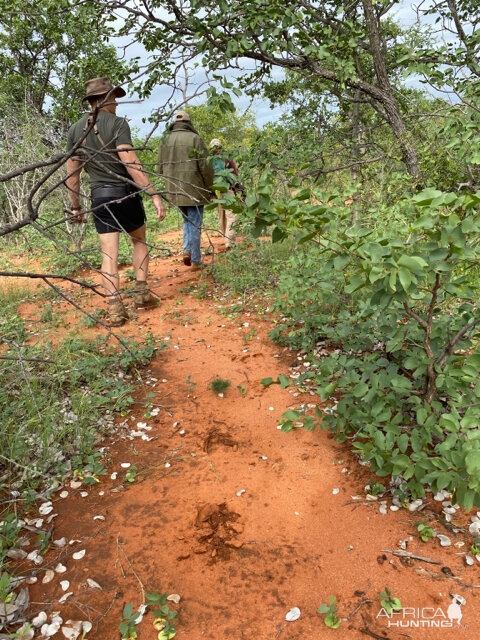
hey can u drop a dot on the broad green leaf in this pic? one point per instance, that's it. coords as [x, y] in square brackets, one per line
[405, 278]
[413, 263]
[472, 462]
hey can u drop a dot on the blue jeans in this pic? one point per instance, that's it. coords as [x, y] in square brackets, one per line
[192, 230]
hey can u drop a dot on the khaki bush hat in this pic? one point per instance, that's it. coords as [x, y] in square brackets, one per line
[215, 143]
[181, 116]
[99, 86]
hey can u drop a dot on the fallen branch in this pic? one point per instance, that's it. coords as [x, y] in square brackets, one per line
[358, 607]
[405, 554]
[370, 633]
[439, 576]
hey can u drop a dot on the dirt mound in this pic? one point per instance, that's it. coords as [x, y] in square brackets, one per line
[218, 531]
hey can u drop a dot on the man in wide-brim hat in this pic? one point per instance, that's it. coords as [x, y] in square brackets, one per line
[102, 146]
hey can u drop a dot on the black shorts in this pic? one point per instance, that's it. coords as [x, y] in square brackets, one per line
[126, 215]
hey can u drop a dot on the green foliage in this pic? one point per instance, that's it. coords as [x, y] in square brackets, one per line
[49, 48]
[131, 474]
[388, 602]
[475, 547]
[43, 541]
[331, 613]
[63, 415]
[163, 613]
[252, 267]
[232, 128]
[127, 626]
[219, 385]
[9, 535]
[425, 532]
[403, 375]
[6, 593]
[164, 617]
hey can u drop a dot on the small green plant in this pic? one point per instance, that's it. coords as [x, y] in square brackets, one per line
[43, 542]
[249, 336]
[388, 602]
[376, 488]
[93, 469]
[127, 627]
[6, 594]
[190, 384]
[131, 474]
[9, 534]
[331, 613]
[242, 388]
[164, 616]
[92, 319]
[425, 532]
[47, 313]
[219, 385]
[475, 547]
[130, 274]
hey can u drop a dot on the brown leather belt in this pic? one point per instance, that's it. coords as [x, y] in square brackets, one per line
[111, 191]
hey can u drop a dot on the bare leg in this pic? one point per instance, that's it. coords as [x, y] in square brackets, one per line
[141, 256]
[109, 248]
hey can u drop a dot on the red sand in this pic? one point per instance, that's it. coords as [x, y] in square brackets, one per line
[240, 562]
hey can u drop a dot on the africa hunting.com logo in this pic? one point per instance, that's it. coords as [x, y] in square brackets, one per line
[426, 617]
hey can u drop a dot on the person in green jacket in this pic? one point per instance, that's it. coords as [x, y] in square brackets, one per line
[188, 175]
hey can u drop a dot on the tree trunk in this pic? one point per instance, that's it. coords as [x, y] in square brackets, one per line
[390, 105]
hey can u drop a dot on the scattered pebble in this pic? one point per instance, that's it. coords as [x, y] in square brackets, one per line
[35, 557]
[99, 517]
[415, 505]
[63, 494]
[84, 494]
[94, 585]
[469, 560]
[444, 540]
[167, 465]
[78, 555]
[40, 619]
[60, 568]
[271, 409]
[48, 577]
[240, 492]
[293, 614]
[64, 584]
[16, 554]
[61, 542]
[335, 491]
[75, 484]
[65, 596]
[45, 508]
[126, 465]
[174, 597]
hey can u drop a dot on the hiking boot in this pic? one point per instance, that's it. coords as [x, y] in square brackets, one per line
[197, 266]
[117, 314]
[142, 296]
[187, 259]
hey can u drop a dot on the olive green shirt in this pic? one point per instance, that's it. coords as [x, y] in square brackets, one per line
[101, 161]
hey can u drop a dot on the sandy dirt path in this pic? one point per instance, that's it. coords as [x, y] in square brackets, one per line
[243, 521]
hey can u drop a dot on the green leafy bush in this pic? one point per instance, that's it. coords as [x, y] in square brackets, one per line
[401, 376]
